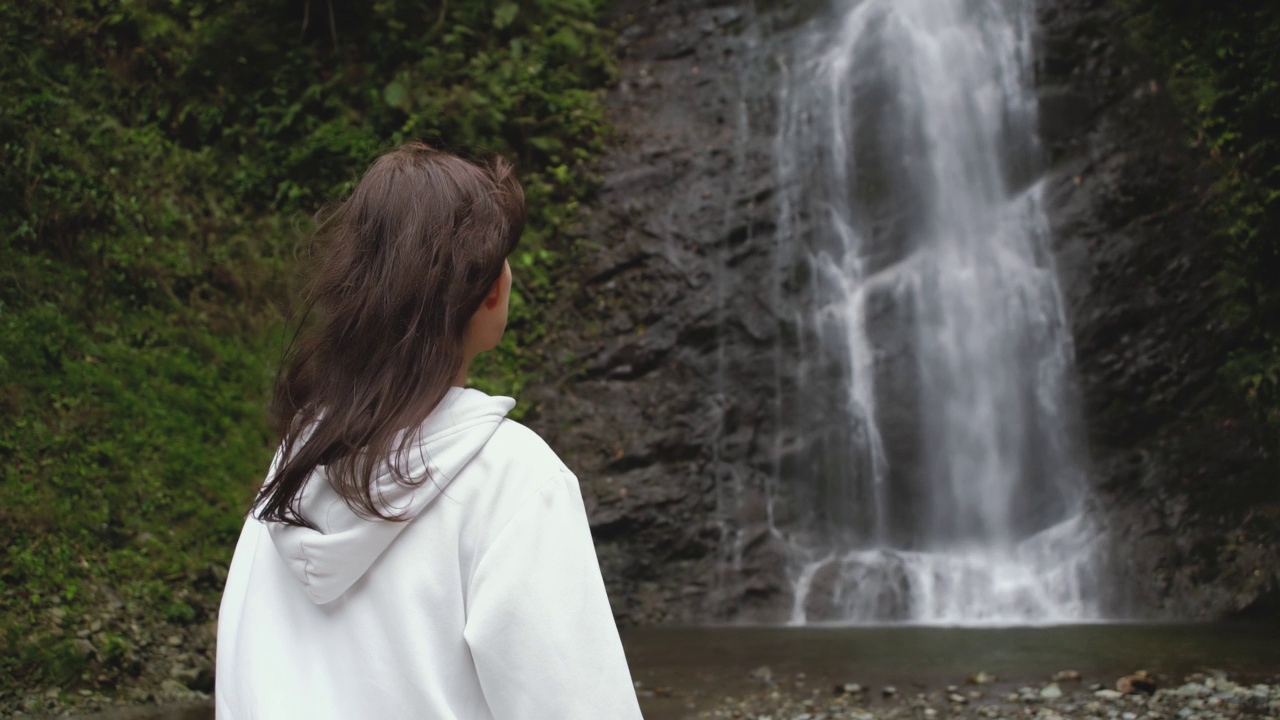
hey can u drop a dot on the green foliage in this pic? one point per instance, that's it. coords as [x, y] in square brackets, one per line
[114, 647]
[1223, 60]
[159, 162]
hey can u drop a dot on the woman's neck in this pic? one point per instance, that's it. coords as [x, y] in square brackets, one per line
[460, 380]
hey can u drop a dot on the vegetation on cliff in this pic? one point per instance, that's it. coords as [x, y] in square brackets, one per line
[1223, 64]
[160, 163]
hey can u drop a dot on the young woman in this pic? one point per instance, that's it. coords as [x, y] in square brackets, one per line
[413, 553]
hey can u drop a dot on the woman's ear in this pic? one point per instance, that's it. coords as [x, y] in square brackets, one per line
[501, 288]
[495, 295]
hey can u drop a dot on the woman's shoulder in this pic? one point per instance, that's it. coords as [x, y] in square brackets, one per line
[507, 478]
[524, 448]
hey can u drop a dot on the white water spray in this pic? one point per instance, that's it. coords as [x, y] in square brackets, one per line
[906, 157]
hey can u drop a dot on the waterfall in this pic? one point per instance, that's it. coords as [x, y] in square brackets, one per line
[949, 487]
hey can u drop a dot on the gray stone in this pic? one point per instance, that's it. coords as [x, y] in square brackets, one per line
[84, 648]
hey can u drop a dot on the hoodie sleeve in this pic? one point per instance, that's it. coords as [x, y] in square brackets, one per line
[538, 622]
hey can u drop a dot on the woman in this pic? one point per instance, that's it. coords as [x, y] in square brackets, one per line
[413, 553]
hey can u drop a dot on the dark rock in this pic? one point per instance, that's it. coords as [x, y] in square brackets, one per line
[1177, 473]
[1139, 682]
[668, 335]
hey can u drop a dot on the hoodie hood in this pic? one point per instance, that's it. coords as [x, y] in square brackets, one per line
[331, 559]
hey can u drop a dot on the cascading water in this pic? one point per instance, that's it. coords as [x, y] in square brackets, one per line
[906, 162]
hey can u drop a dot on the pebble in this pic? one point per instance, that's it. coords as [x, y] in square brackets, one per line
[1050, 692]
[981, 678]
[83, 647]
[173, 688]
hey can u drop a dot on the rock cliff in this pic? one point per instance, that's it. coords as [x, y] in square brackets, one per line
[1189, 493]
[663, 387]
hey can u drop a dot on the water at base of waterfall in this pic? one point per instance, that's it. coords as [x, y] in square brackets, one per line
[1047, 579]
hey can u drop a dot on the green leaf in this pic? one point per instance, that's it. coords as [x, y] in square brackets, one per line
[505, 14]
[396, 95]
[547, 144]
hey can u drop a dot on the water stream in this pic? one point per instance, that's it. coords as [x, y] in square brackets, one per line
[951, 490]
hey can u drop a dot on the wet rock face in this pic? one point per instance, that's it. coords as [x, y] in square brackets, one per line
[663, 390]
[1176, 473]
[662, 379]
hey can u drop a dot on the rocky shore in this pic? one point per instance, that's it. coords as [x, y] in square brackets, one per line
[169, 699]
[984, 697]
[1067, 695]
[128, 655]
[169, 702]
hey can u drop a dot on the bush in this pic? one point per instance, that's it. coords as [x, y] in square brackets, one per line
[161, 161]
[1223, 61]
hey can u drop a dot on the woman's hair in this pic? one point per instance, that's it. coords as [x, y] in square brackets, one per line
[401, 267]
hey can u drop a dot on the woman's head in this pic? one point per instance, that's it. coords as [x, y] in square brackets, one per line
[410, 281]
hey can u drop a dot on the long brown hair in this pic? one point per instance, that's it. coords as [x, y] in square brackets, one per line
[400, 268]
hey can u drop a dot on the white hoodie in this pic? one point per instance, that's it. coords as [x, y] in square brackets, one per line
[488, 603]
